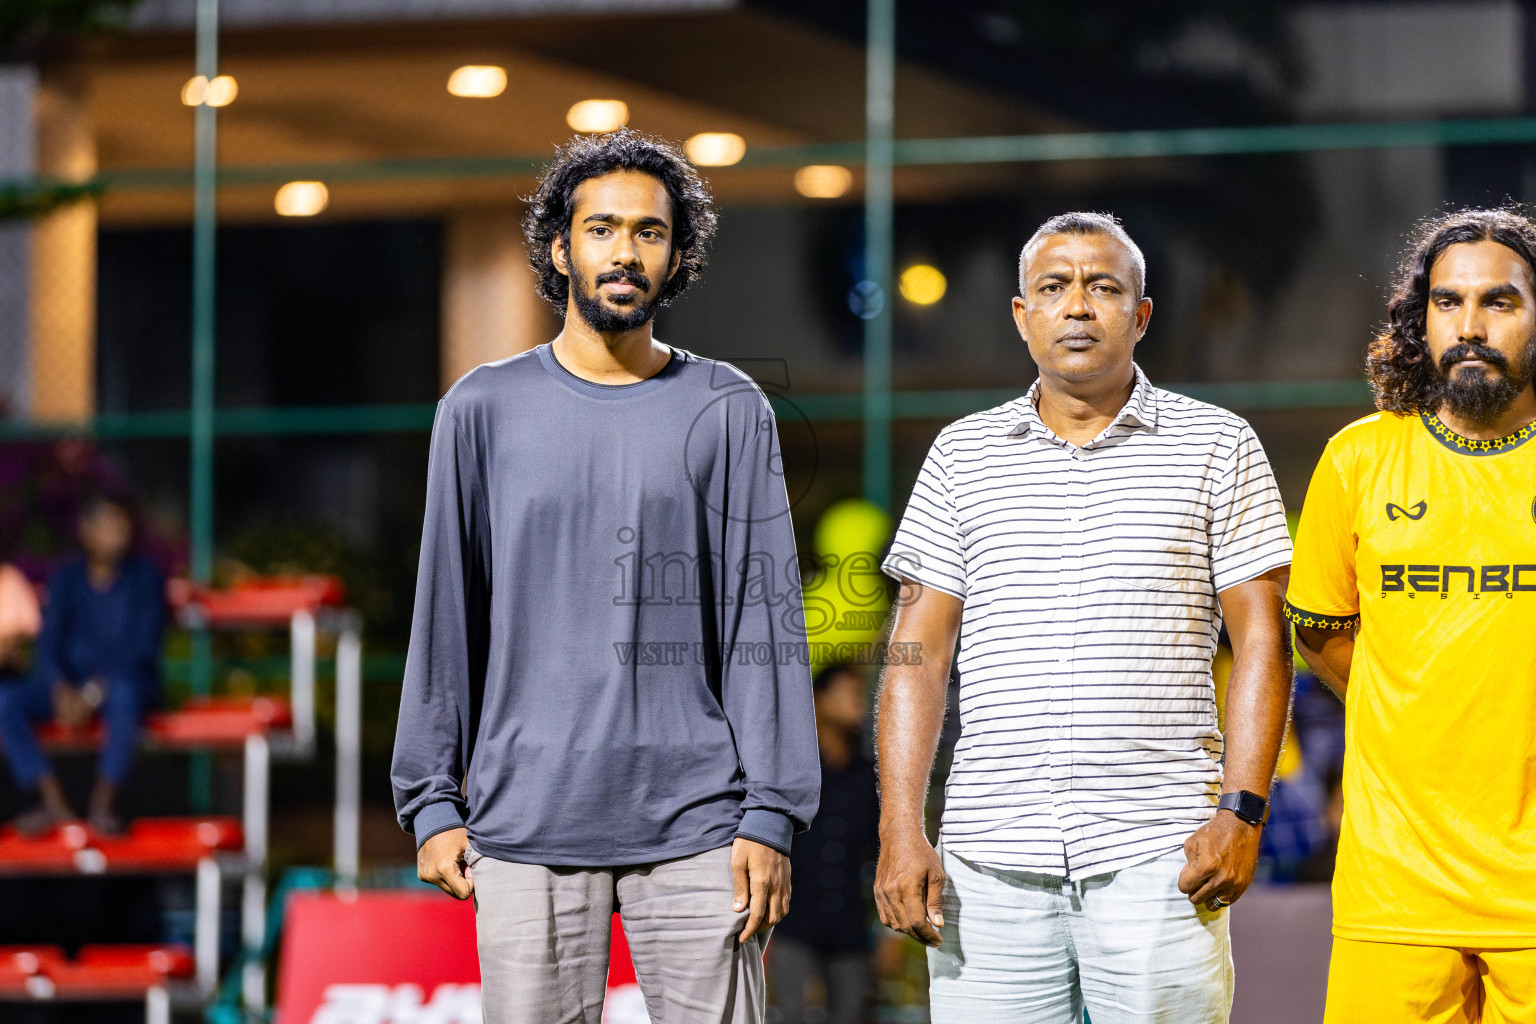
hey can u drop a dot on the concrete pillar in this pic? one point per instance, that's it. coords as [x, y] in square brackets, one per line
[63, 351]
[490, 308]
[18, 159]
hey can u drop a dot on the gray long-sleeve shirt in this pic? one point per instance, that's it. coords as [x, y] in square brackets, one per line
[607, 662]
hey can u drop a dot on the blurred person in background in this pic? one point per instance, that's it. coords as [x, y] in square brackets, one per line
[1414, 599]
[98, 655]
[1319, 720]
[1319, 864]
[826, 932]
[1297, 824]
[607, 700]
[1301, 835]
[20, 619]
[1084, 544]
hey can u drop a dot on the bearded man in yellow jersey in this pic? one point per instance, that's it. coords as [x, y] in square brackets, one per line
[1413, 592]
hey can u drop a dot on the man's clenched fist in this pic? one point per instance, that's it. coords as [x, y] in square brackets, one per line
[441, 862]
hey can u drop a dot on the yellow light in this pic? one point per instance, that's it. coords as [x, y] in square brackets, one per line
[597, 115]
[478, 81]
[823, 181]
[922, 284]
[220, 92]
[301, 198]
[715, 149]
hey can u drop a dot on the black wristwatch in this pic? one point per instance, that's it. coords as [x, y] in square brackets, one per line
[1251, 807]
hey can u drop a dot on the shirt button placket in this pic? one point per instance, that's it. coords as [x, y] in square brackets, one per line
[1070, 603]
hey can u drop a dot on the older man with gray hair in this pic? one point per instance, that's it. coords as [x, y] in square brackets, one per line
[1084, 543]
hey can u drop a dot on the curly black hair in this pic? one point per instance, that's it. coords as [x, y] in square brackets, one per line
[1398, 363]
[552, 205]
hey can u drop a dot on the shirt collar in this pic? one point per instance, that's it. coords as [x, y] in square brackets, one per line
[1139, 411]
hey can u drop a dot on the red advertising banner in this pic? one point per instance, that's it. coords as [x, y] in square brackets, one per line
[401, 958]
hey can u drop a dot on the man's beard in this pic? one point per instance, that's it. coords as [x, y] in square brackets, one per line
[1480, 398]
[606, 320]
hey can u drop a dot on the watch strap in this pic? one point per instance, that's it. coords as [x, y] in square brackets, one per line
[1250, 807]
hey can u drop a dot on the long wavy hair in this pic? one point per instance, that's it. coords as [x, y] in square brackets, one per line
[584, 157]
[1398, 363]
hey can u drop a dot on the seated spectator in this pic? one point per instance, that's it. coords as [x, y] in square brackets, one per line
[98, 654]
[826, 932]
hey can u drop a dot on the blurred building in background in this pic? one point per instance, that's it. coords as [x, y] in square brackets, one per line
[373, 154]
[399, 264]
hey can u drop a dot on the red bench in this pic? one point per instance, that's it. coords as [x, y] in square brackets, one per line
[150, 846]
[97, 973]
[256, 602]
[189, 844]
[21, 970]
[203, 722]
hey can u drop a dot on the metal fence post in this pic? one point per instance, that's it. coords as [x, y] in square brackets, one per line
[349, 745]
[200, 502]
[879, 123]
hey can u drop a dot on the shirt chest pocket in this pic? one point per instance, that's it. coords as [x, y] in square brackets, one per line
[1160, 551]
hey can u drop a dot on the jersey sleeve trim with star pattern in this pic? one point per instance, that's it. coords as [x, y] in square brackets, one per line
[1313, 620]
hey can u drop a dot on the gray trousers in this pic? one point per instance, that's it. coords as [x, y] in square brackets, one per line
[543, 937]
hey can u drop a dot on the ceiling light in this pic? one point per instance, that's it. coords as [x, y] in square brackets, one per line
[597, 115]
[823, 181]
[922, 284]
[220, 92]
[301, 198]
[478, 81]
[715, 149]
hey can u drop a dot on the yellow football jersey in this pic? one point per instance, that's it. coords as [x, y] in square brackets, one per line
[1427, 541]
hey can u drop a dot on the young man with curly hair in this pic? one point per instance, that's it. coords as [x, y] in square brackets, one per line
[588, 722]
[1413, 592]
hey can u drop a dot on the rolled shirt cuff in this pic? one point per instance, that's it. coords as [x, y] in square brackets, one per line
[435, 818]
[767, 827]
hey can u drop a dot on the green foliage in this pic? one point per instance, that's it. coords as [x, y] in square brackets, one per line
[1186, 64]
[375, 587]
[36, 200]
[290, 547]
[1134, 40]
[23, 23]
[20, 19]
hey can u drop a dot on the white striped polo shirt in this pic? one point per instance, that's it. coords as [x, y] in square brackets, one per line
[1088, 737]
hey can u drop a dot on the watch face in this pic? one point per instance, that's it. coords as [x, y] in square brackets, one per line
[1251, 807]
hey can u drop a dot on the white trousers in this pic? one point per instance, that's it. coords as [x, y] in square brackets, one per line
[1021, 948]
